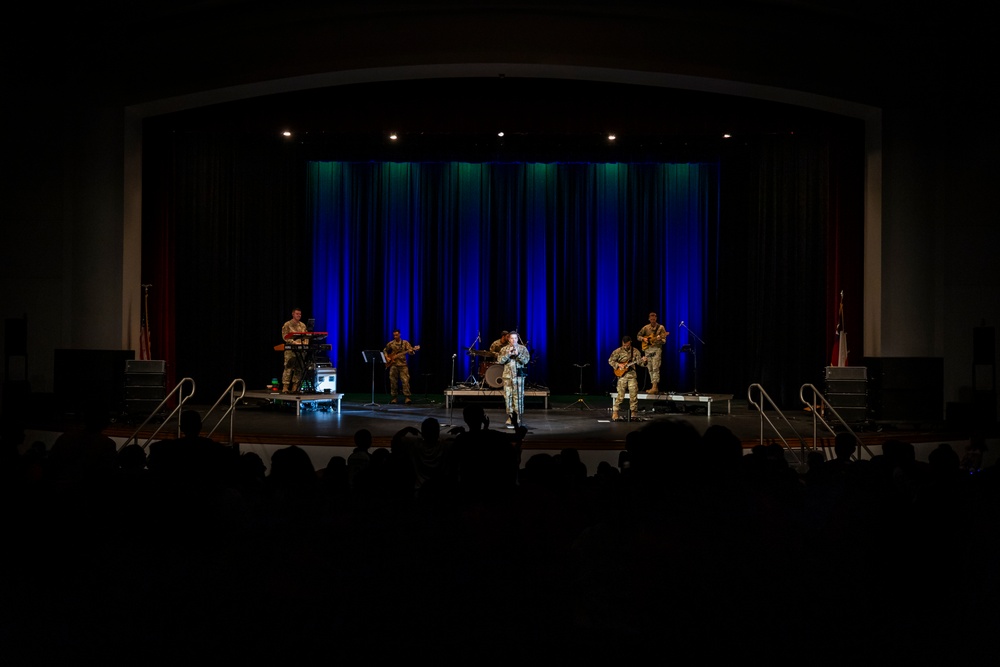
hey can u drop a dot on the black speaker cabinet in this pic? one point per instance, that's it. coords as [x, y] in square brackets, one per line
[847, 392]
[145, 385]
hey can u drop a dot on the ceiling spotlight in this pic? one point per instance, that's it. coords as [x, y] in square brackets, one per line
[611, 137]
[392, 135]
[499, 134]
[286, 133]
[727, 136]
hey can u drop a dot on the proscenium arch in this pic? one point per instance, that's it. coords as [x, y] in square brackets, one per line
[871, 116]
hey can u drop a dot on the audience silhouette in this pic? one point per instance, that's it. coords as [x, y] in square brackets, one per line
[686, 548]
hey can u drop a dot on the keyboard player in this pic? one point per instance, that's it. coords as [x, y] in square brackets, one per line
[291, 377]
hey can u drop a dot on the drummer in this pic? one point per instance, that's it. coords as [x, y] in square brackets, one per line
[499, 344]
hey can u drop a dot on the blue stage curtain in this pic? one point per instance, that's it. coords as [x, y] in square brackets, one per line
[572, 255]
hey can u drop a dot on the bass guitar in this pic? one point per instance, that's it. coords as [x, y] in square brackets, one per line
[390, 357]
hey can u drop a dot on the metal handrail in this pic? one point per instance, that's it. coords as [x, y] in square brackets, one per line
[819, 419]
[231, 410]
[763, 417]
[182, 399]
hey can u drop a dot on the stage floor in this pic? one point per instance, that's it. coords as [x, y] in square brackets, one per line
[571, 421]
[582, 422]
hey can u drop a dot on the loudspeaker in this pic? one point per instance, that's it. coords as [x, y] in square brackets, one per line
[846, 387]
[846, 373]
[847, 392]
[145, 366]
[838, 400]
[157, 392]
[144, 380]
[145, 385]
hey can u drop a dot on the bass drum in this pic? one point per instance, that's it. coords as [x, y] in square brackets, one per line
[494, 376]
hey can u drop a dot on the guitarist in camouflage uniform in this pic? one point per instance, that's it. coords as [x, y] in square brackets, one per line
[653, 336]
[624, 361]
[395, 354]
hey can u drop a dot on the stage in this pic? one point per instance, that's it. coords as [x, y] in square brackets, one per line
[325, 424]
[311, 401]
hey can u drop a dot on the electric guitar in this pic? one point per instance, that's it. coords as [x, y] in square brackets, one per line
[390, 357]
[620, 369]
[651, 340]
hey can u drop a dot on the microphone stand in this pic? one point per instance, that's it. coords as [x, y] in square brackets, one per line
[472, 374]
[694, 356]
[451, 404]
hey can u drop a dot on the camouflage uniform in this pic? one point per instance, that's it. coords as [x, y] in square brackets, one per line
[398, 370]
[293, 363]
[498, 345]
[653, 351]
[628, 379]
[513, 376]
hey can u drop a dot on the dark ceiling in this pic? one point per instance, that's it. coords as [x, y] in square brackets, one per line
[540, 119]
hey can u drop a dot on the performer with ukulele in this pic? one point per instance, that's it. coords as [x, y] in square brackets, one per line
[653, 336]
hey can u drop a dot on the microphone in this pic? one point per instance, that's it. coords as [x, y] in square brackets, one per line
[454, 356]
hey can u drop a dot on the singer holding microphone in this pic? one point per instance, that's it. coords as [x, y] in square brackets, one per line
[514, 357]
[653, 336]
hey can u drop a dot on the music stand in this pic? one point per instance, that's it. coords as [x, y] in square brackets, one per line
[370, 357]
[580, 391]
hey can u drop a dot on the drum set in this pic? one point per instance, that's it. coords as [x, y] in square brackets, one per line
[489, 372]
